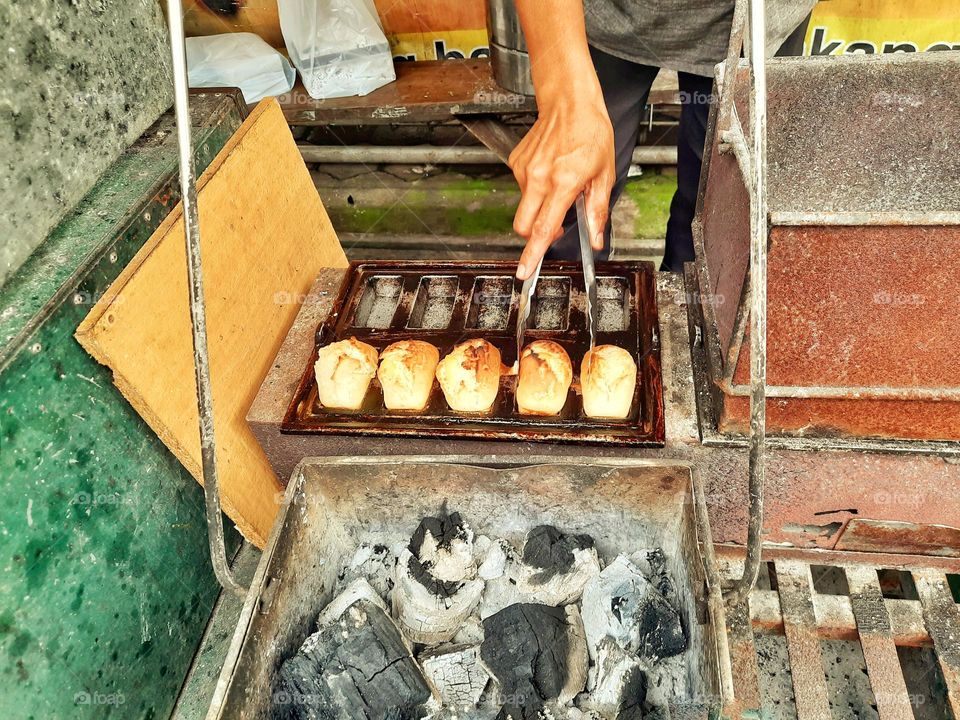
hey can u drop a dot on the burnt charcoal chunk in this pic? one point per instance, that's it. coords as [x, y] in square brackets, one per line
[623, 604]
[356, 668]
[527, 648]
[421, 573]
[522, 712]
[445, 528]
[551, 551]
[659, 630]
[633, 696]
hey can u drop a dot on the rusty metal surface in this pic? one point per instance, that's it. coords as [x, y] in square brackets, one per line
[903, 420]
[865, 133]
[412, 298]
[899, 537]
[743, 658]
[942, 616]
[866, 213]
[836, 621]
[803, 642]
[886, 312]
[879, 648]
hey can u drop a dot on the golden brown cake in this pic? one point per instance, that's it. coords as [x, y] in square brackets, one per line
[545, 376]
[608, 376]
[470, 376]
[344, 370]
[406, 374]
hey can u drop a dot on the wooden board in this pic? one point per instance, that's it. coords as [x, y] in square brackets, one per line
[264, 237]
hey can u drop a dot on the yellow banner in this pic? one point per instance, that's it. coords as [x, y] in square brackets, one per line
[883, 26]
[439, 45]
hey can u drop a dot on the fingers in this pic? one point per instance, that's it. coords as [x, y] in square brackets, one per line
[531, 255]
[548, 224]
[597, 199]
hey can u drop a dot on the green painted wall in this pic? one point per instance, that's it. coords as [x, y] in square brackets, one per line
[106, 585]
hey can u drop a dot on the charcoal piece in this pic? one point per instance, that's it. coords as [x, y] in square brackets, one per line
[427, 617]
[632, 696]
[534, 711]
[619, 686]
[441, 553]
[357, 667]
[457, 674]
[536, 653]
[551, 551]
[622, 603]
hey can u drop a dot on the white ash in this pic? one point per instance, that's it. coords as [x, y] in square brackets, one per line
[358, 590]
[425, 615]
[446, 584]
[450, 561]
[456, 673]
[493, 556]
[470, 632]
[623, 604]
[374, 563]
[617, 685]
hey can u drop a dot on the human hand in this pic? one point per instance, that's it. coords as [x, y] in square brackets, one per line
[568, 150]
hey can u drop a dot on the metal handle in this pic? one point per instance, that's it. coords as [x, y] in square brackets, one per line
[758, 294]
[198, 318]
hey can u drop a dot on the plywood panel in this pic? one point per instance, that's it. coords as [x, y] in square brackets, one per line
[264, 237]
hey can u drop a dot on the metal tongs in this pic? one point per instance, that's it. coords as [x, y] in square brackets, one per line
[589, 283]
[589, 272]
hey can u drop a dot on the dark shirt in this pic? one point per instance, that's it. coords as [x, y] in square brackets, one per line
[686, 35]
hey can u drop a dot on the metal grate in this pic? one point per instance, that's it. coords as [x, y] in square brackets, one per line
[887, 626]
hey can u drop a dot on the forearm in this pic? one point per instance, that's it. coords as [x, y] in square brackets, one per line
[560, 60]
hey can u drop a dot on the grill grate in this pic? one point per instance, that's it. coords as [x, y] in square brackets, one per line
[884, 625]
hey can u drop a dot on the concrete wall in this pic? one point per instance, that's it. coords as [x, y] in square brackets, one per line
[81, 81]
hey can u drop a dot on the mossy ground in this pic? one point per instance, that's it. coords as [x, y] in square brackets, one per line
[477, 207]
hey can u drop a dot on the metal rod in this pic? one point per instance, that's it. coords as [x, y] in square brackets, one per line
[198, 319]
[447, 155]
[758, 296]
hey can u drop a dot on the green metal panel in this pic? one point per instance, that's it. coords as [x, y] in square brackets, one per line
[106, 585]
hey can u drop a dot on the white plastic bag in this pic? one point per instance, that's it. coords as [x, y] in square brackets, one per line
[242, 60]
[337, 45]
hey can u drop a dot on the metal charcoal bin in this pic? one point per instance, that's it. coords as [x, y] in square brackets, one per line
[332, 505]
[447, 303]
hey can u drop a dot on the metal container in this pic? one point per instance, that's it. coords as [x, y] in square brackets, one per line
[446, 303]
[864, 248]
[508, 49]
[332, 505]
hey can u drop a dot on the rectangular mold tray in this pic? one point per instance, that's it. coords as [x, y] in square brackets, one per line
[447, 303]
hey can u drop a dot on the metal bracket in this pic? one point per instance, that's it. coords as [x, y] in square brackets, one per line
[758, 277]
[198, 318]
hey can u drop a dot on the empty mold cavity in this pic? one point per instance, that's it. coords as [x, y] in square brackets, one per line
[378, 303]
[551, 304]
[490, 303]
[613, 304]
[433, 306]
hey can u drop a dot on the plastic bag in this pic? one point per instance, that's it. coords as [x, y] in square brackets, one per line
[240, 60]
[337, 45]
